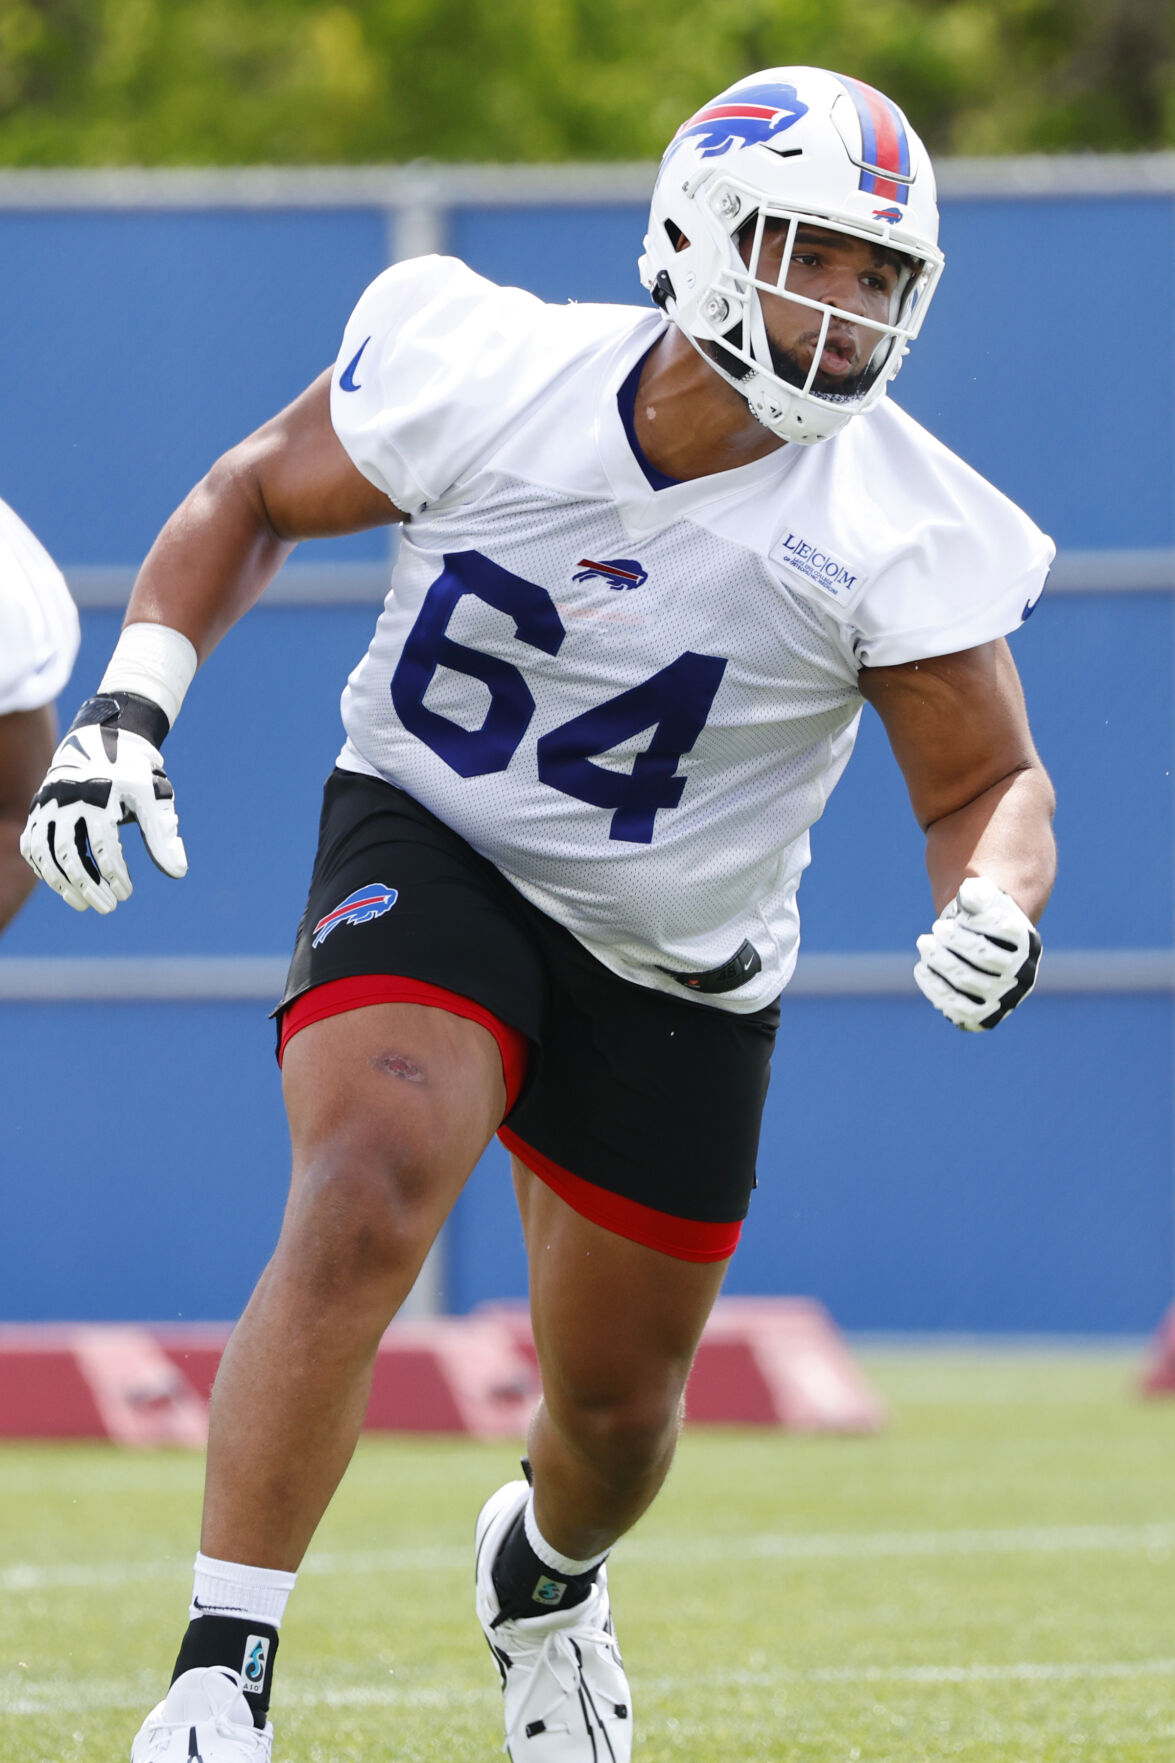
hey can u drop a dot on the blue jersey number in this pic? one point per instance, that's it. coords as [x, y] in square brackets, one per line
[473, 752]
[674, 703]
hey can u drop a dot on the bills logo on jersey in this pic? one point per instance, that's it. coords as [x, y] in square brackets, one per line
[358, 908]
[618, 572]
[748, 117]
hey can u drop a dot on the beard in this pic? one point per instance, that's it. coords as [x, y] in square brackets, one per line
[794, 372]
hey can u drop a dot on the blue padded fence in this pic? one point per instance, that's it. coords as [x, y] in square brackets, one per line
[911, 1177]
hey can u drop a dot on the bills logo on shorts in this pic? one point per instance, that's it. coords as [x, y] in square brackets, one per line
[743, 118]
[618, 572]
[358, 908]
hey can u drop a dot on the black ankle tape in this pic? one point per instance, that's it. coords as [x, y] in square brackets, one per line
[248, 1648]
[526, 1586]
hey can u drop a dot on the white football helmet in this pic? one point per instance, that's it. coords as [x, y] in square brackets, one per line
[792, 145]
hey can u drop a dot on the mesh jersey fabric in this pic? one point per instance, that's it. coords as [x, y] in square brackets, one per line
[39, 631]
[635, 702]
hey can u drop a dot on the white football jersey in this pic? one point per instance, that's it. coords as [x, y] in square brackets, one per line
[38, 620]
[636, 701]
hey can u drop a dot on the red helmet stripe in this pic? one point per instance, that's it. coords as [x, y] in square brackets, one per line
[883, 142]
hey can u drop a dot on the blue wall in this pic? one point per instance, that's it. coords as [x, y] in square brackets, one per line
[910, 1176]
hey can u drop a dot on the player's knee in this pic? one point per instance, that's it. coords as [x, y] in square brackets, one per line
[364, 1216]
[625, 1435]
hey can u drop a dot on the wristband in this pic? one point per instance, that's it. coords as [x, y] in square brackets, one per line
[126, 711]
[151, 662]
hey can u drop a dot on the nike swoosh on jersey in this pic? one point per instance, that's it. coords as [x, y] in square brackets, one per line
[347, 380]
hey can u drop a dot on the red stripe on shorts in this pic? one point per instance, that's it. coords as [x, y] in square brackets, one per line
[337, 996]
[687, 1239]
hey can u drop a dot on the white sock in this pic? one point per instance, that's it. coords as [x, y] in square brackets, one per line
[225, 1588]
[551, 1557]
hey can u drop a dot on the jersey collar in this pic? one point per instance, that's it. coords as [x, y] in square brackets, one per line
[644, 509]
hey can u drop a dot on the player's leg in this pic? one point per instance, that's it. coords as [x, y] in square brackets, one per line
[398, 1065]
[389, 1109]
[616, 1326]
[634, 1160]
[616, 1323]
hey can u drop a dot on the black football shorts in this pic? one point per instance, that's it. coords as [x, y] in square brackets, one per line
[642, 1110]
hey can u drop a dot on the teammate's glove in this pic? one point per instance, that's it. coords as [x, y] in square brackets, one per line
[106, 772]
[980, 958]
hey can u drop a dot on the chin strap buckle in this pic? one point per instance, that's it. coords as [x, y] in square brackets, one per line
[662, 290]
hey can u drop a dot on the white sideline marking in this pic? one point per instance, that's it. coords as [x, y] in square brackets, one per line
[88, 1696]
[773, 1546]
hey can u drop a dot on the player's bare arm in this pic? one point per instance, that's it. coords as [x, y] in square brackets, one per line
[27, 739]
[290, 480]
[214, 558]
[959, 730]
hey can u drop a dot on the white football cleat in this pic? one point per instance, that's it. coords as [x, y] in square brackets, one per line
[204, 1718]
[567, 1698]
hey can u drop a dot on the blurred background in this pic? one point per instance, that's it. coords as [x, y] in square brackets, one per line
[192, 197]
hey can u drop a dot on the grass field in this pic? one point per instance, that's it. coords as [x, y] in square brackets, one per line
[991, 1580]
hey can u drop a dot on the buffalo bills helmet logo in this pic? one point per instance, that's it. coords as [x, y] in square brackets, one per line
[743, 118]
[358, 908]
[890, 214]
[618, 572]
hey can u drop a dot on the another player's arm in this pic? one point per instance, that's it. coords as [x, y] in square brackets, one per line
[27, 739]
[959, 731]
[290, 480]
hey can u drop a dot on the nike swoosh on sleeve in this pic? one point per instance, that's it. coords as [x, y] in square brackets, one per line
[347, 380]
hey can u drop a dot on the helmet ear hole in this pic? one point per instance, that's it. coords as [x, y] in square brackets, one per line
[676, 237]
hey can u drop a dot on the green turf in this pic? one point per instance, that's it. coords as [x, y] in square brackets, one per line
[990, 1580]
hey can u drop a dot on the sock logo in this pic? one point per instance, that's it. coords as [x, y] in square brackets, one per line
[549, 1591]
[256, 1659]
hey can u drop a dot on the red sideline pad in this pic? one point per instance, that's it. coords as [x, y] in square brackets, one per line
[765, 1362]
[61, 1381]
[779, 1362]
[1158, 1377]
[445, 1374]
[761, 1362]
[150, 1385]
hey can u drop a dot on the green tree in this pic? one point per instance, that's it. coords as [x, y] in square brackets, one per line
[168, 82]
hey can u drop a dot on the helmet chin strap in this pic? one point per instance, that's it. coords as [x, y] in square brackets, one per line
[760, 344]
[781, 409]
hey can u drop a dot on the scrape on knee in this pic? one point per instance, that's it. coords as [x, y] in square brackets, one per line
[397, 1065]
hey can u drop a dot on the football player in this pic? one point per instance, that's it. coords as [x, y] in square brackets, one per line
[652, 563]
[38, 646]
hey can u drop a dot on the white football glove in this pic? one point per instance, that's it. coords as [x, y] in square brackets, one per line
[102, 776]
[980, 957]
